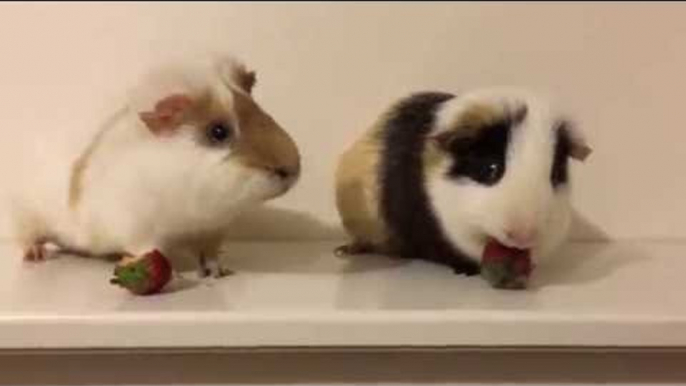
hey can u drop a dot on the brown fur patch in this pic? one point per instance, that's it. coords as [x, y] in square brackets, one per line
[481, 115]
[477, 117]
[358, 190]
[473, 119]
[263, 143]
[580, 151]
[76, 180]
[246, 80]
[238, 75]
[432, 155]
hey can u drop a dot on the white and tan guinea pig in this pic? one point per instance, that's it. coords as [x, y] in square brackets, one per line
[189, 152]
[438, 176]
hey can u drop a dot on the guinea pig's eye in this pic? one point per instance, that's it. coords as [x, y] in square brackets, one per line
[218, 132]
[487, 172]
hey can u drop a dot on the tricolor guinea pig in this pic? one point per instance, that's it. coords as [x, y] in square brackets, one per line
[190, 150]
[441, 177]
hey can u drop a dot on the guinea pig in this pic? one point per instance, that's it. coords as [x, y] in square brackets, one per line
[439, 176]
[190, 150]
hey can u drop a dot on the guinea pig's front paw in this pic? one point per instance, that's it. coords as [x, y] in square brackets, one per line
[217, 273]
[204, 272]
[468, 268]
[212, 267]
[222, 272]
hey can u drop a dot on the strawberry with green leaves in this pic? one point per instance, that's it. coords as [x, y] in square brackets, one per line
[144, 275]
[504, 267]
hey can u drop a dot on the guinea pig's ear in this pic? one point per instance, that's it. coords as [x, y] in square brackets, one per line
[578, 147]
[579, 150]
[234, 73]
[168, 114]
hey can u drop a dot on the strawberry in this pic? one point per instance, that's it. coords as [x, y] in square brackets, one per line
[143, 275]
[504, 267]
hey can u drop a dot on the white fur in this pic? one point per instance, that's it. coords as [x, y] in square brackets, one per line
[152, 188]
[523, 199]
[216, 72]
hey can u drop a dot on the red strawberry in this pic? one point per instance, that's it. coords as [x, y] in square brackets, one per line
[521, 265]
[505, 267]
[143, 275]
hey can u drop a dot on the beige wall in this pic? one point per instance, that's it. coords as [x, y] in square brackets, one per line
[325, 71]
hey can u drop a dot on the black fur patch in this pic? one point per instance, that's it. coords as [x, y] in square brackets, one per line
[482, 159]
[415, 231]
[559, 174]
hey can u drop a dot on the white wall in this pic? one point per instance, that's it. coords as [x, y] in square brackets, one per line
[326, 70]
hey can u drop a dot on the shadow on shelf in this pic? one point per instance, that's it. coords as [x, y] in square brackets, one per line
[270, 223]
[577, 262]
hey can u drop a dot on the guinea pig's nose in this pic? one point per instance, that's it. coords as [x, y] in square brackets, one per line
[524, 238]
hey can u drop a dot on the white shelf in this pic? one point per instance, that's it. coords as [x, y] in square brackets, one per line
[299, 294]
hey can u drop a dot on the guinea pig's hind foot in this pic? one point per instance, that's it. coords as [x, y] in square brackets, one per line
[355, 248]
[35, 253]
[46, 247]
[203, 272]
[38, 251]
